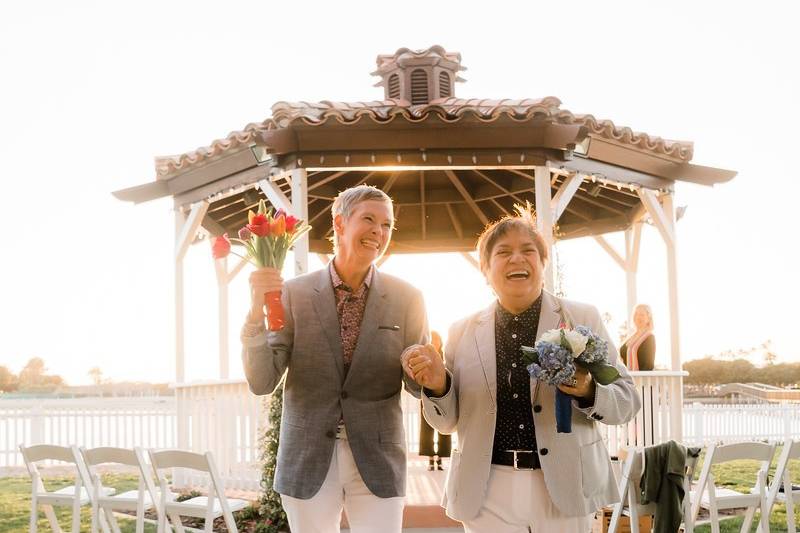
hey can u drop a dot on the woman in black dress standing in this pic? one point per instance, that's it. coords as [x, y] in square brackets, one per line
[426, 432]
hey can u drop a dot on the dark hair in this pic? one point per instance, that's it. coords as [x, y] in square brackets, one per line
[524, 222]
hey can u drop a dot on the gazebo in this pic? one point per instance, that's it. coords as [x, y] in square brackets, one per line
[451, 165]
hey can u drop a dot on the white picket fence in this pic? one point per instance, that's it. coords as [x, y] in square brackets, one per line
[223, 417]
[90, 422]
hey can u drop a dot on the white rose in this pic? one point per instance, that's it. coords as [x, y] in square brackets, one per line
[576, 341]
[552, 336]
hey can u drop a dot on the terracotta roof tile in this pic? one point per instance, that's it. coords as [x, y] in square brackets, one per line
[449, 110]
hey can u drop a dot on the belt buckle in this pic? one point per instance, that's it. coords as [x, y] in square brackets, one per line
[516, 458]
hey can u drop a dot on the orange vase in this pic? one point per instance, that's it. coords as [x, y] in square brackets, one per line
[275, 317]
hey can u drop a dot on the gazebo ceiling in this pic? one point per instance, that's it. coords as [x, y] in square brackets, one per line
[450, 164]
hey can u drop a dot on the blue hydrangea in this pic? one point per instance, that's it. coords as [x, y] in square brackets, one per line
[596, 348]
[555, 364]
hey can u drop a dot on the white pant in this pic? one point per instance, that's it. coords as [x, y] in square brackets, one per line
[343, 487]
[517, 501]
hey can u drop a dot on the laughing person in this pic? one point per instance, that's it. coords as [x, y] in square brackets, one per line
[342, 441]
[513, 472]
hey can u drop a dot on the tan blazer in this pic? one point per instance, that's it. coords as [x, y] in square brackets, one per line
[576, 466]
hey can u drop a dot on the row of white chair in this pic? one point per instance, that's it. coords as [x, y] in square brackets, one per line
[707, 495]
[89, 490]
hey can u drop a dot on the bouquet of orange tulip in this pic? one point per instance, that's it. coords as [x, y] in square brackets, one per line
[266, 239]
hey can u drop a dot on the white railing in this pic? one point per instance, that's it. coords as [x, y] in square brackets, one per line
[91, 422]
[222, 417]
[659, 419]
[709, 423]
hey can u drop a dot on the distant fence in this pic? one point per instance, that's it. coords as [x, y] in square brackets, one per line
[708, 423]
[91, 422]
[224, 418]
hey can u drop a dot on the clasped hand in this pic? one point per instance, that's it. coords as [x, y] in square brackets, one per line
[424, 365]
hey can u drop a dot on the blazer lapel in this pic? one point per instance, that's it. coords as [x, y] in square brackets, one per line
[485, 342]
[325, 306]
[373, 317]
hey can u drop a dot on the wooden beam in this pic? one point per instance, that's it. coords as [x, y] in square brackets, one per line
[390, 182]
[423, 214]
[275, 195]
[663, 223]
[326, 209]
[471, 260]
[565, 194]
[189, 229]
[521, 173]
[500, 187]
[456, 223]
[500, 207]
[299, 207]
[467, 198]
[610, 250]
[601, 205]
[325, 180]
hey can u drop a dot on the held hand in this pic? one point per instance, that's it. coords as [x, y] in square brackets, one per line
[262, 281]
[584, 385]
[427, 369]
[412, 351]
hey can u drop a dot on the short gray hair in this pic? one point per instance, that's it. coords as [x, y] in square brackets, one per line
[347, 199]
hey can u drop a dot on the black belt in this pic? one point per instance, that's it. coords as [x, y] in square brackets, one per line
[519, 459]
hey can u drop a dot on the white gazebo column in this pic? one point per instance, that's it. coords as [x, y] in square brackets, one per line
[544, 219]
[224, 279]
[633, 240]
[186, 227]
[299, 178]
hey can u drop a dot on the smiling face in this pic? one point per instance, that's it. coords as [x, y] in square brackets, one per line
[515, 270]
[364, 235]
[642, 318]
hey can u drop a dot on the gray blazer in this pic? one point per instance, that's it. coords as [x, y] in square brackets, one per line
[317, 394]
[576, 466]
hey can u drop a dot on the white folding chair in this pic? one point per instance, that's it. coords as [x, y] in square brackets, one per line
[214, 505]
[138, 500]
[783, 480]
[630, 493]
[708, 496]
[74, 496]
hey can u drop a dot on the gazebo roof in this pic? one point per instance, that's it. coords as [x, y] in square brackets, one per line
[450, 164]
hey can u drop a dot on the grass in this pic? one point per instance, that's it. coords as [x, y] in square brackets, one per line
[15, 504]
[15, 497]
[741, 476]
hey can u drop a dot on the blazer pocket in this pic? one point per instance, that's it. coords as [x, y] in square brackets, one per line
[451, 484]
[594, 468]
[292, 420]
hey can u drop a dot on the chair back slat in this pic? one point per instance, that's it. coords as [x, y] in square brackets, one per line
[96, 456]
[44, 452]
[179, 459]
[758, 451]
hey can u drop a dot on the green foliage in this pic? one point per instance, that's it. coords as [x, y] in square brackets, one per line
[273, 517]
[708, 371]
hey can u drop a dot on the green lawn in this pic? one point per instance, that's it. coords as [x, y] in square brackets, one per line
[15, 499]
[15, 504]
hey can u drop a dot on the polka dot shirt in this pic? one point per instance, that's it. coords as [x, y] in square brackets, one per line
[514, 429]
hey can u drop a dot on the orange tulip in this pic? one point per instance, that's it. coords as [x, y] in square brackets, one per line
[278, 226]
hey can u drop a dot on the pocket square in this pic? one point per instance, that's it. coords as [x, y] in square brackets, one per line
[393, 328]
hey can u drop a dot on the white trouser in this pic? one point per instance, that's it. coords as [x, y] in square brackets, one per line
[517, 501]
[344, 488]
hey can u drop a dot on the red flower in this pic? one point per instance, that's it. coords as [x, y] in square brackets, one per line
[221, 247]
[259, 225]
[291, 222]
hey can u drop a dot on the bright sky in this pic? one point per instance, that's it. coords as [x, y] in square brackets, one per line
[92, 91]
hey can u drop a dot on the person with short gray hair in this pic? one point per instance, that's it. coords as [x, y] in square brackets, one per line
[342, 440]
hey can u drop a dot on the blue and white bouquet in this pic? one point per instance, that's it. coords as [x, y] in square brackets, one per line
[554, 358]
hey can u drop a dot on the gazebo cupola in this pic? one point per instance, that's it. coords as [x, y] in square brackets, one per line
[418, 77]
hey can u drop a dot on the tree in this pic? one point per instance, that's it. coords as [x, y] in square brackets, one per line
[8, 380]
[96, 374]
[32, 374]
